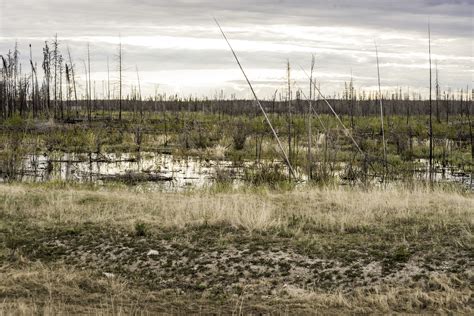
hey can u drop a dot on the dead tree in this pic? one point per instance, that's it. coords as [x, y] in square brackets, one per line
[89, 100]
[73, 78]
[55, 79]
[310, 120]
[289, 113]
[381, 116]
[285, 156]
[47, 74]
[120, 78]
[33, 75]
[431, 110]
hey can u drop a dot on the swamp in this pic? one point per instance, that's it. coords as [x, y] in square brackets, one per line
[116, 201]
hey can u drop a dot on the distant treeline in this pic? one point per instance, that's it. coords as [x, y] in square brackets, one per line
[442, 109]
[56, 94]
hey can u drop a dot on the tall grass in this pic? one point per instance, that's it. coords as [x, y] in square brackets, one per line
[331, 209]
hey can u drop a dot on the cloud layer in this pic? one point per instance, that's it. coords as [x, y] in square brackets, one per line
[176, 45]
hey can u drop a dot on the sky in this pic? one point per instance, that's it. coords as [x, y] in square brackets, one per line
[178, 49]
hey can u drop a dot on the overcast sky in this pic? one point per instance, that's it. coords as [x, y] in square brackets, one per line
[178, 48]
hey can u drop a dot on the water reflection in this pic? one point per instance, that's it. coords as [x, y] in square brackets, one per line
[174, 173]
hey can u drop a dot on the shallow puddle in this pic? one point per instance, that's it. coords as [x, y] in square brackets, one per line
[165, 172]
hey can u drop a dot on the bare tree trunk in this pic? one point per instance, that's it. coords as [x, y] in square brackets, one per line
[438, 119]
[408, 107]
[108, 87]
[447, 107]
[15, 77]
[68, 95]
[289, 116]
[259, 104]
[33, 72]
[431, 111]
[120, 79]
[55, 59]
[89, 101]
[139, 94]
[351, 95]
[5, 87]
[87, 89]
[47, 70]
[468, 114]
[310, 120]
[61, 108]
[71, 65]
[381, 118]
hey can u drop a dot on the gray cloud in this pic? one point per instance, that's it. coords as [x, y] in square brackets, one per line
[340, 32]
[86, 16]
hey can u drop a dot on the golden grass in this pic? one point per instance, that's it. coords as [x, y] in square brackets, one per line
[53, 288]
[39, 288]
[335, 210]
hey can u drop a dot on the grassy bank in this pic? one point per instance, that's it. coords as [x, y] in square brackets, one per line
[79, 249]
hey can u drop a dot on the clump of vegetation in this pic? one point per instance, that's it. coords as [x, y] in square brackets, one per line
[141, 229]
[272, 175]
[239, 136]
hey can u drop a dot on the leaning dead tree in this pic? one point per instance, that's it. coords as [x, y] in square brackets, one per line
[346, 130]
[72, 77]
[381, 116]
[285, 156]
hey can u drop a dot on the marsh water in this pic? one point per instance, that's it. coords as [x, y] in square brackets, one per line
[162, 171]
[167, 172]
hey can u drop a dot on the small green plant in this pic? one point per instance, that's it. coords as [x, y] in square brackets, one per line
[239, 136]
[141, 229]
[273, 175]
[15, 121]
[401, 254]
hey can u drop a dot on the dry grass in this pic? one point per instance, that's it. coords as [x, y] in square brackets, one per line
[415, 242]
[38, 289]
[58, 290]
[444, 292]
[55, 290]
[335, 210]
